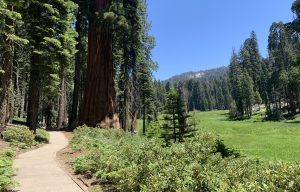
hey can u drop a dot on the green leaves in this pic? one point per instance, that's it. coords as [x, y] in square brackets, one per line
[6, 170]
[19, 136]
[133, 163]
[22, 137]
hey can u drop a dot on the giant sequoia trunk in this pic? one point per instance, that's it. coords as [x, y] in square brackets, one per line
[98, 105]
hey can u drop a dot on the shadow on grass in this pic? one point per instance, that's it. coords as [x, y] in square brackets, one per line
[294, 122]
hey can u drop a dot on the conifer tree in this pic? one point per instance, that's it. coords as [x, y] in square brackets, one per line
[10, 18]
[52, 47]
[282, 57]
[98, 107]
[80, 59]
[235, 76]
[247, 93]
[251, 60]
[175, 125]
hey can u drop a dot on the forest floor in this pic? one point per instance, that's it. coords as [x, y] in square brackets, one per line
[38, 170]
[265, 140]
[3, 144]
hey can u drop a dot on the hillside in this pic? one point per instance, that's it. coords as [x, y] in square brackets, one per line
[203, 74]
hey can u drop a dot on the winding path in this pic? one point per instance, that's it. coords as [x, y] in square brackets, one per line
[38, 171]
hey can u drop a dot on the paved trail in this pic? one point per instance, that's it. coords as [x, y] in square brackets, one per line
[38, 171]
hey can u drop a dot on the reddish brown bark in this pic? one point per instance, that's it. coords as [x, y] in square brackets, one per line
[98, 105]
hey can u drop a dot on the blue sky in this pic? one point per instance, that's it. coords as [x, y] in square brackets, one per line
[194, 35]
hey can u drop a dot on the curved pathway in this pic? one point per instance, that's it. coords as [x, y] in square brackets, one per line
[38, 171]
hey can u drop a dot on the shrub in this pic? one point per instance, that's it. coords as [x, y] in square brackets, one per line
[6, 170]
[203, 163]
[19, 136]
[42, 136]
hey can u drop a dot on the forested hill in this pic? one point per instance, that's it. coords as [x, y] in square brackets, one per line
[203, 74]
[204, 90]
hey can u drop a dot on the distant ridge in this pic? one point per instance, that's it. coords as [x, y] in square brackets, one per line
[203, 74]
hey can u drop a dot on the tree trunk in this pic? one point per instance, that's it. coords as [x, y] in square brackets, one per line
[79, 62]
[5, 81]
[62, 102]
[98, 105]
[25, 106]
[49, 116]
[134, 122]
[292, 104]
[10, 102]
[144, 115]
[33, 95]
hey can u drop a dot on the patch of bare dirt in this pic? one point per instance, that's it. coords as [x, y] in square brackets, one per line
[3, 144]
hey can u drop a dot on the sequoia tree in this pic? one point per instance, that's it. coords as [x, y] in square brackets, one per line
[98, 105]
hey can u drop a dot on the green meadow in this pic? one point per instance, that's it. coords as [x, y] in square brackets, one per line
[265, 140]
[256, 138]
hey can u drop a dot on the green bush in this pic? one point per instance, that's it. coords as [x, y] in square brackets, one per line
[42, 136]
[6, 170]
[203, 163]
[22, 137]
[19, 136]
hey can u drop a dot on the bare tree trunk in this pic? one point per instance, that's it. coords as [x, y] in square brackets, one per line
[62, 102]
[25, 106]
[33, 95]
[5, 81]
[11, 100]
[49, 115]
[134, 122]
[144, 114]
[98, 105]
[292, 102]
[79, 62]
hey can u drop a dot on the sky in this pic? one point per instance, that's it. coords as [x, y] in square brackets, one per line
[193, 35]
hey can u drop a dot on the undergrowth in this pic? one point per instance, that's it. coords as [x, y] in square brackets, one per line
[133, 163]
[21, 136]
[6, 170]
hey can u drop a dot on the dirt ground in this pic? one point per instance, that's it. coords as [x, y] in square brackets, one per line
[3, 144]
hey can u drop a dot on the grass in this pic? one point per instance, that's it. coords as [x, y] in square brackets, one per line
[267, 141]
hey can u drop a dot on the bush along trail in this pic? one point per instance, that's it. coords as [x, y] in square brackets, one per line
[16, 139]
[203, 163]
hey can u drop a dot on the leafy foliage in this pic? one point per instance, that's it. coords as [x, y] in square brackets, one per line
[139, 164]
[19, 136]
[6, 170]
[22, 137]
[42, 136]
